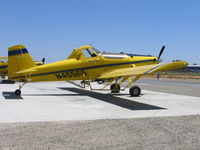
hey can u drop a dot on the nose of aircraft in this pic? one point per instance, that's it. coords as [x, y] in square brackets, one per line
[185, 63]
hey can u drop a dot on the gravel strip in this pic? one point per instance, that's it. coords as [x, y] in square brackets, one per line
[182, 132]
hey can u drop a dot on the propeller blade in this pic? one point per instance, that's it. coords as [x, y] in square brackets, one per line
[161, 51]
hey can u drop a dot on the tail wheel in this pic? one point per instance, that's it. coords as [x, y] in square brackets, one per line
[135, 91]
[115, 88]
[18, 92]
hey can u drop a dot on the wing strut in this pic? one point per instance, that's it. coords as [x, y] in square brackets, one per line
[132, 81]
[109, 82]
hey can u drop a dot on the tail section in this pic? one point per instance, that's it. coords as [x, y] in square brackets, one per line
[18, 60]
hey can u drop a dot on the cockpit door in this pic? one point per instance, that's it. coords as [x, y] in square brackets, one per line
[92, 63]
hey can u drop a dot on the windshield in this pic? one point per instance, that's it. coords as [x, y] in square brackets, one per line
[96, 50]
[88, 53]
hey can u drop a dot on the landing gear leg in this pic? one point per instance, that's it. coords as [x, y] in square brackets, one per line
[83, 84]
[135, 91]
[90, 84]
[18, 91]
[115, 88]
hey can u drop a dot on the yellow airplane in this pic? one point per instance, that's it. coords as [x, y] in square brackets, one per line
[86, 63]
[4, 65]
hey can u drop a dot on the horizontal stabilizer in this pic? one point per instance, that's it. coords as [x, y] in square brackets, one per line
[27, 70]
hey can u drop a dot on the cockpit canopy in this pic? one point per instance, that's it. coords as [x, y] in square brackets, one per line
[84, 52]
[90, 52]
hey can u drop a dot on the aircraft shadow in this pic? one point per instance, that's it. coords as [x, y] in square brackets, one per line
[110, 98]
[10, 95]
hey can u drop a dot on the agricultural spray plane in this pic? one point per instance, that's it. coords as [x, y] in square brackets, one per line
[86, 63]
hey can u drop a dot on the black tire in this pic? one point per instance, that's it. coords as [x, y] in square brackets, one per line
[115, 88]
[135, 91]
[18, 92]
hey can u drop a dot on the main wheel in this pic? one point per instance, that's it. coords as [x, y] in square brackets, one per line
[115, 88]
[18, 92]
[135, 91]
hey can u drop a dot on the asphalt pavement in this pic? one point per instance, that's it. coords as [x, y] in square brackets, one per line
[175, 86]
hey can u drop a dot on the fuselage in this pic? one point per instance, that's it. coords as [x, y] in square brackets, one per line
[82, 66]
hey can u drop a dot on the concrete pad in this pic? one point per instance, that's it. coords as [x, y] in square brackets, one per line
[59, 101]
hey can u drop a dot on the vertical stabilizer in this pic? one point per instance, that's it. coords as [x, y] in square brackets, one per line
[18, 59]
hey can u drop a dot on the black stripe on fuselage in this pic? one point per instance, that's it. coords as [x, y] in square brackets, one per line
[17, 52]
[85, 68]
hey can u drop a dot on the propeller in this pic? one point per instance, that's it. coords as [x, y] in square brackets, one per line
[161, 51]
[43, 60]
[159, 75]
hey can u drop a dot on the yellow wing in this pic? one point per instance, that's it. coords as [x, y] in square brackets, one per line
[141, 70]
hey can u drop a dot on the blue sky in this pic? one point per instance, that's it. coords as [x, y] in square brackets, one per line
[52, 28]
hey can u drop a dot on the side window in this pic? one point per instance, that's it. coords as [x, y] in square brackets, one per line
[88, 53]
